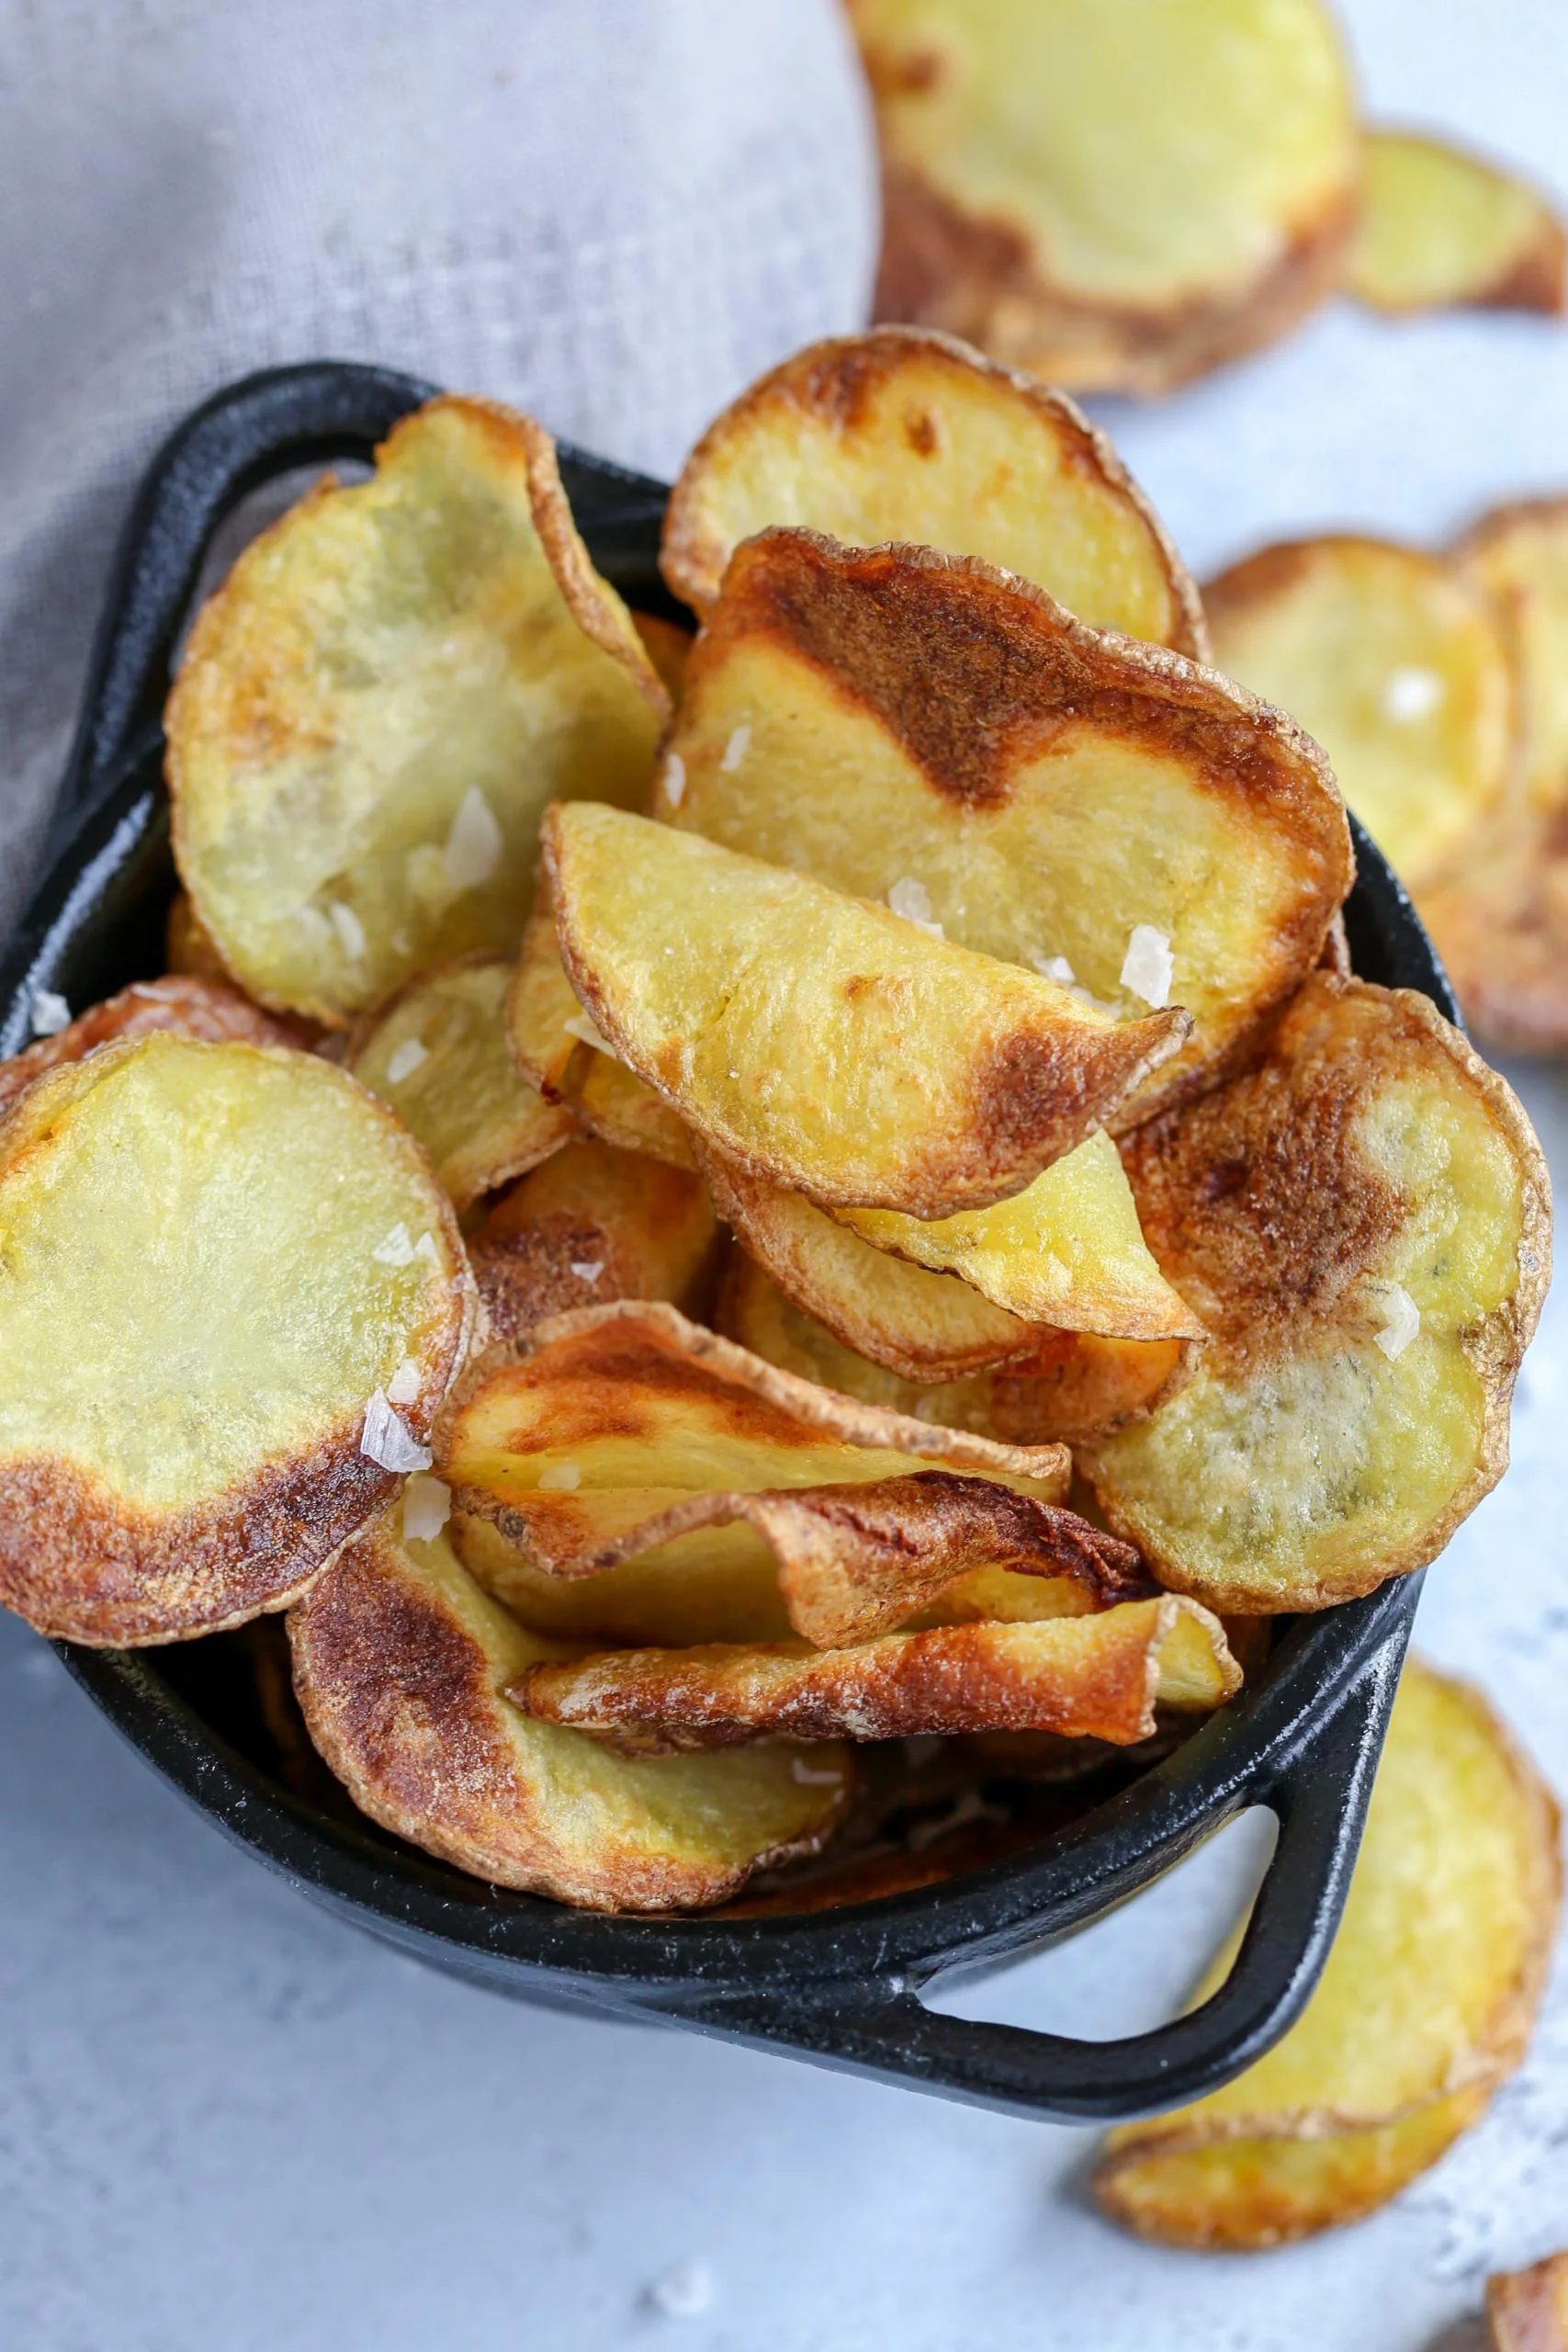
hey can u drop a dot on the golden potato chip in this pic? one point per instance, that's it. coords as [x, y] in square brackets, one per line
[1426, 2004]
[900, 434]
[438, 1053]
[375, 707]
[1099, 1677]
[401, 1663]
[925, 730]
[592, 1224]
[717, 1584]
[1527, 2310]
[185, 1004]
[1068, 1251]
[667, 645]
[1363, 1222]
[1392, 659]
[923, 1328]
[1076, 1386]
[1439, 228]
[234, 1297]
[1117, 197]
[822, 1041]
[1517, 556]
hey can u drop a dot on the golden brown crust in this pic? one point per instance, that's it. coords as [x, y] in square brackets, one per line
[832, 379]
[1095, 1676]
[1527, 2310]
[187, 1005]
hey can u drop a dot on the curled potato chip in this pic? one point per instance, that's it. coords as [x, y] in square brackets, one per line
[1116, 197]
[1393, 661]
[1099, 1677]
[590, 1224]
[904, 434]
[229, 1272]
[717, 1584]
[1075, 1387]
[822, 1041]
[186, 1005]
[401, 1663]
[1068, 1251]
[1363, 1222]
[1426, 2002]
[375, 707]
[438, 1053]
[915, 728]
[1527, 2310]
[1439, 228]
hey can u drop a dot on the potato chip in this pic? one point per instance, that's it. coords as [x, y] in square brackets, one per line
[592, 1224]
[401, 1663]
[1363, 1222]
[900, 434]
[717, 1584]
[1439, 228]
[1426, 2004]
[375, 707]
[1527, 2310]
[927, 731]
[1117, 197]
[1076, 1386]
[187, 948]
[667, 645]
[1099, 1677]
[1394, 662]
[439, 1055]
[185, 1004]
[1517, 556]
[234, 1297]
[1499, 919]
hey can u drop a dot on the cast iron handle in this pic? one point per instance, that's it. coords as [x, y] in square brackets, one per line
[1320, 1798]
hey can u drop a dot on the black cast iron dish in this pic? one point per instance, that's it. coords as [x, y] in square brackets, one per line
[839, 1986]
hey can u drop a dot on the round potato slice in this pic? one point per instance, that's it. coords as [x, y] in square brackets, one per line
[186, 1005]
[439, 1055]
[1439, 228]
[1394, 661]
[401, 1663]
[1116, 196]
[229, 1273]
[1517, 556]
[904, 434]
[1363, 1221]
[1426, 2002]
[374, 709]
[1499, 919]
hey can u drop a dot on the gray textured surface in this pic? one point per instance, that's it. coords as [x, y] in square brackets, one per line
[226, 2121]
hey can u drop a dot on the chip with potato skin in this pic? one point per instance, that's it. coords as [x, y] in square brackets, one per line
[1117, 197]
[374, 708]
[904, 434]
[1441, 229]
[185, 1004]
[438, 1053]
[1527, 2310]
[1393, 659]
[219, 1256]
[401, 1666]
[1426, 2004]
[821, 1040]
[1098, 1676]
[1363, 1221]
[928, 730]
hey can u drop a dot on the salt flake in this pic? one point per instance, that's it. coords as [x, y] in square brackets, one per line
[913, 901]
[50, 1014]
[404, 1386]
[580, 1025]
[427, 1507]
[398, 1249]
[674, 779]
[1057, 968]
[814, 1776]
[385, 1440]
[560, 1478]
[588, 1269]
[349, 929]
[1401, 1320]
[684, 2292]
[1148, 967]
[404, 1059]
[735, 751]
[1410, 693]
[474, 844]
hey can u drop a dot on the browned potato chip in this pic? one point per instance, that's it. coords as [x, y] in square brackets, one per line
[1527, 2310]
[1517, 556]
[590, 1224]
[1439, 228]
[1076, 1386]
[438, 1053]
[1116, 196]
[928, 730]
[1100, 1677]
[717, 1584]
[375, 707]
[1363, 1222]
[185, 1004]
[904, 434]
[1393, 661]
[1426, 2004]
[401, 1663]
[234, 1297]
